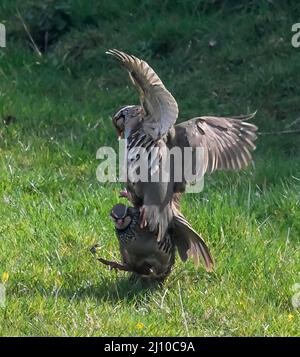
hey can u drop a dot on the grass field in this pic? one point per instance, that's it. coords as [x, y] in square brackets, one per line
[216, 59]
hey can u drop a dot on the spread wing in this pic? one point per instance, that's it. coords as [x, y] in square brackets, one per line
[160, 108]
[227, 142]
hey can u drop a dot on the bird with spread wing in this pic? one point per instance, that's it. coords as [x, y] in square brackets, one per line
[226, 142]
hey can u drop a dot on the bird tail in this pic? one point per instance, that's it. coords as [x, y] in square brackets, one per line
[189, 243]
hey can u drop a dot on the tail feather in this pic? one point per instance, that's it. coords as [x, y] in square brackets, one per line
[189, 243]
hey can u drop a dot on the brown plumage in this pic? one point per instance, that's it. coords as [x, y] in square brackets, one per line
[226, 142]
[145, 256]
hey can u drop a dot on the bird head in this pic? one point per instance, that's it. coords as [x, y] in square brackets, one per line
[120, 216]
[127, 119]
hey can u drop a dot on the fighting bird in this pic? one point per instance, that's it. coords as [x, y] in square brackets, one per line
[145, 256]
[226, 142]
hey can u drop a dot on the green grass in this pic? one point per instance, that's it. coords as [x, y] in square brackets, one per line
[53, 209]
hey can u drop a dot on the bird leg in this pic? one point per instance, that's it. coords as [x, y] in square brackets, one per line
[126, 194]
[123, 193]
[114, 265]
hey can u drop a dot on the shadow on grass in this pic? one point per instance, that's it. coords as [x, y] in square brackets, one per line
[118, 288]
[114, 290]
[122, 287]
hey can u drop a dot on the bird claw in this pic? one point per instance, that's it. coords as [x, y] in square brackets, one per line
[111, 264]
[124, 194]
[114, 265]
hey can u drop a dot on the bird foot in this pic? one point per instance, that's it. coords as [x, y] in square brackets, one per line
[126, 194]
[123, 193]
[111, 264]
[114, 265]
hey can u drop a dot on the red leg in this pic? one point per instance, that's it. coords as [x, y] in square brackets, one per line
[124, 194]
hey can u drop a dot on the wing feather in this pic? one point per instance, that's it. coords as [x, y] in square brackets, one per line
[160, 107]
[227, 142]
